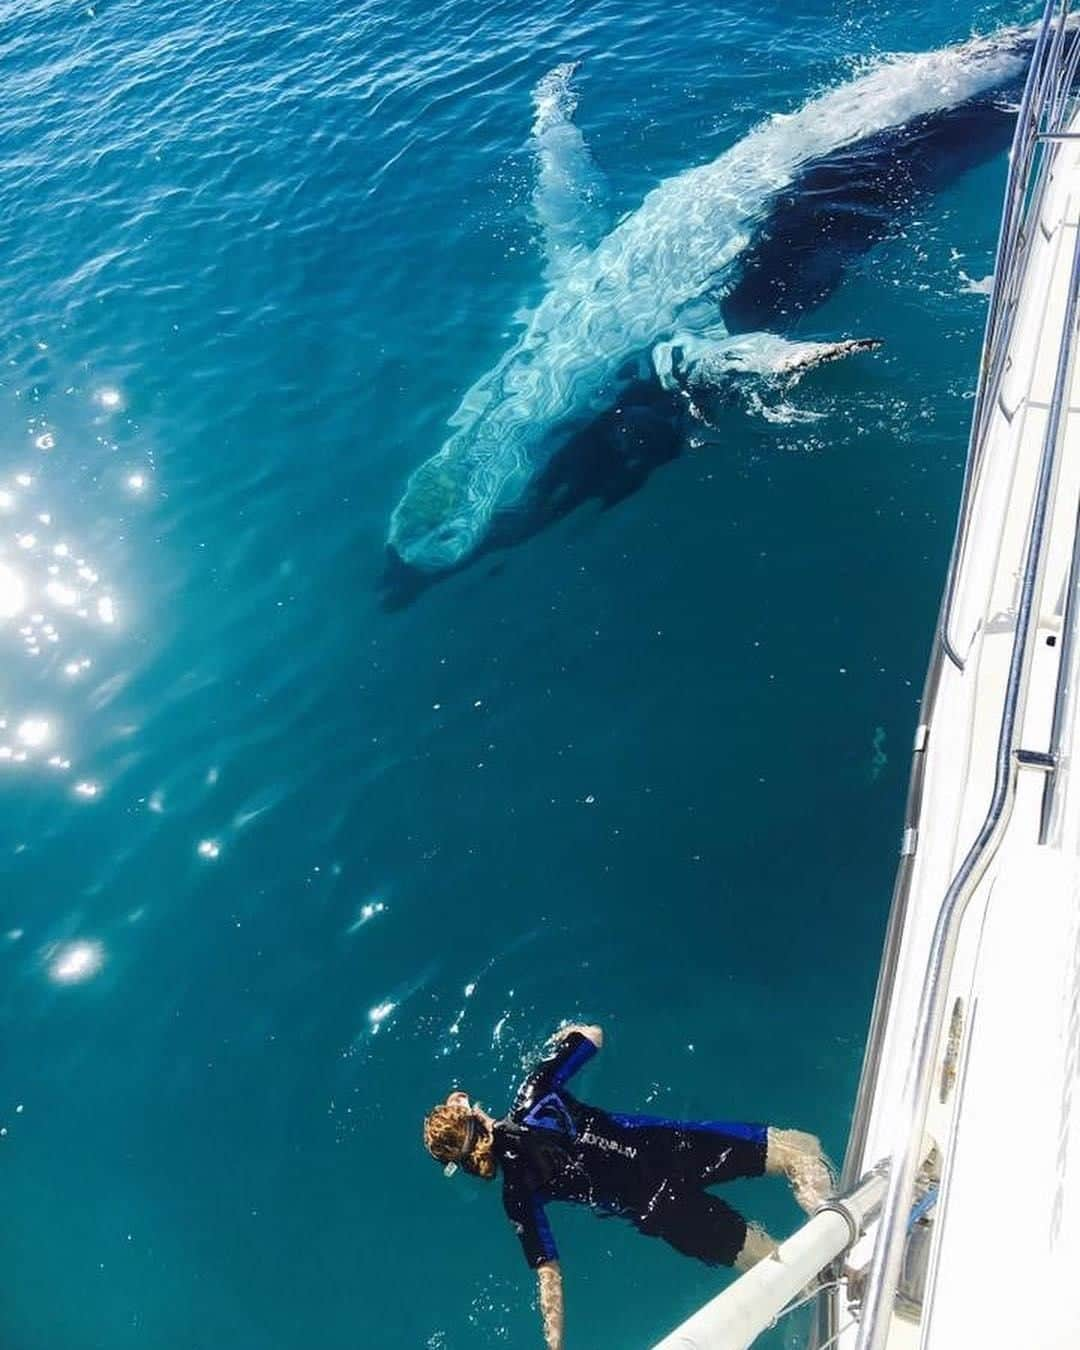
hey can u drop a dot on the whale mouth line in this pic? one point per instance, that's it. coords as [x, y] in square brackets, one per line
[434, 548]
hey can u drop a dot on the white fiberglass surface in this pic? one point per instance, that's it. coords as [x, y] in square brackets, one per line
[1008, 1125]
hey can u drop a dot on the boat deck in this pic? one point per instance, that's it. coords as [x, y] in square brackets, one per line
[963, 1164]
[1004, 1108]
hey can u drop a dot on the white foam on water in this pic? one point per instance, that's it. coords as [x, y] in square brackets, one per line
[554, 100]
[984, 286]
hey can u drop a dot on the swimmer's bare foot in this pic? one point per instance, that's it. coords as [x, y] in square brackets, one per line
[799, 1157]
[757, 1247]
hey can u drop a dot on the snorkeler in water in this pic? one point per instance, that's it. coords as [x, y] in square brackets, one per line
[651, 1171]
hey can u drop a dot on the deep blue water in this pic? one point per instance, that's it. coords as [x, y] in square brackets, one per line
[310, 851]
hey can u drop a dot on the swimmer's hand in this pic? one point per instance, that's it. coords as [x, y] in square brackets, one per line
[594, 1034]
[549, 1276]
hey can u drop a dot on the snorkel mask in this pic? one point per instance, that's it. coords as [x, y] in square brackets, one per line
[472, 1128]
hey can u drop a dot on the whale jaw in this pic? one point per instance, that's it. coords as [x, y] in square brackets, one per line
[437, 550]
[430, 529]
[452, 500]
[429, 544]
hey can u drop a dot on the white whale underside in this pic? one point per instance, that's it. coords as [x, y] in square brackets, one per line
[641, 289]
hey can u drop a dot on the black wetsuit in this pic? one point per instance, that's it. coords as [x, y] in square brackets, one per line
[649, 1170]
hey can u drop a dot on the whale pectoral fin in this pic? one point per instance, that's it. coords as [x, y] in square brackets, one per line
[689, 357]
[749, 367]
[570, 200]
[799, 357]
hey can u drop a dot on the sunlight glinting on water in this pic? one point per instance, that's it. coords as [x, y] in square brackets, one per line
[368, 911]
[50, 595]
[74, 962]
[378, 1015]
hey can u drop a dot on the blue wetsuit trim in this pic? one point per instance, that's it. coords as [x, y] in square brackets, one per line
[735, 1129]
[543, 1227]
[550, 1113]
[581, 1054]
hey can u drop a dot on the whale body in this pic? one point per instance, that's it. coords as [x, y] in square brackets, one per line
[649, 287]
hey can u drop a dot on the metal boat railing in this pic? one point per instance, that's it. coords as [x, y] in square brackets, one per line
[1025, 185]
[1042, 125]
[735, 1318]
[892, 1229]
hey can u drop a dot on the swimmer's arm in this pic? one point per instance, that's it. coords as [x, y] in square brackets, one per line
[594, 1034]
[549, 1277]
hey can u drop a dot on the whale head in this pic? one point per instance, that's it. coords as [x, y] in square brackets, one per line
[438, 523]
[483, 470]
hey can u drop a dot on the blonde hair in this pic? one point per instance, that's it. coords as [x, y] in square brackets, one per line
[446, 1132]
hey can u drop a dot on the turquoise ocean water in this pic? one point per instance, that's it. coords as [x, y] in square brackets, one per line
[287, 850]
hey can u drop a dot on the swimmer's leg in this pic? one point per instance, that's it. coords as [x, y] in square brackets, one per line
[703, 1226]
[700, 1152]
[709, 1152]
[799, 1157]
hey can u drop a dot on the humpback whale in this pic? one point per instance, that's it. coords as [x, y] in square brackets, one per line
[649, 290]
